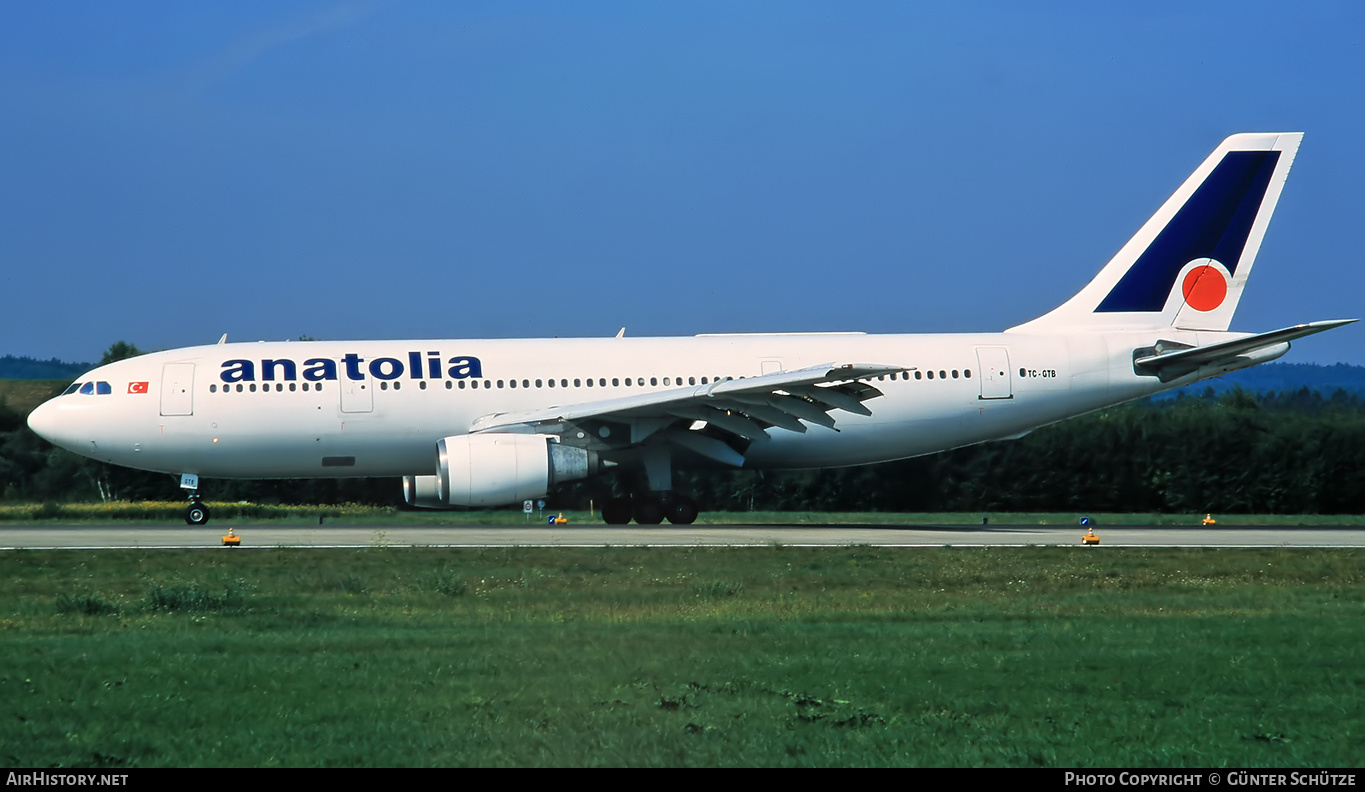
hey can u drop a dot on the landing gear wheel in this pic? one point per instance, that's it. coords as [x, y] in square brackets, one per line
[683, 511]
[616, 512]
[649, 511]
[197, 514]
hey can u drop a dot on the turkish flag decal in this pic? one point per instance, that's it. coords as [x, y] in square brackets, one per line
[137, 387]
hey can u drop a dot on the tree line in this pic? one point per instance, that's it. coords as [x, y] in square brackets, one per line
[1236, 452]
[1239, 452]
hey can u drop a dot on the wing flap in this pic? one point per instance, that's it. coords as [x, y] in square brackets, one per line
[742, 407]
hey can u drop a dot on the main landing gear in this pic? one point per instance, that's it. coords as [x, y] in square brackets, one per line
[654, 499]
[651, 510]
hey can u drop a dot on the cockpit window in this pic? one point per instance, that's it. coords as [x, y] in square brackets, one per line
[89, 388]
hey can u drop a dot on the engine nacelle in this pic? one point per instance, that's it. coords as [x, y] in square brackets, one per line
[496, 469]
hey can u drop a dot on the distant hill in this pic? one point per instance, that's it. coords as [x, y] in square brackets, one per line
[27, 368]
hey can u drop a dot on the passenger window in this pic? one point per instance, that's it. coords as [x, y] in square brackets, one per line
[967, 373]
[213, 389]
[919, 375]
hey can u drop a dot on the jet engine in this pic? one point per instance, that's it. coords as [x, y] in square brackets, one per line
[495, 469]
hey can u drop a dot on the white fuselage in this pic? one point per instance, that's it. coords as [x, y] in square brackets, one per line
[378, 408]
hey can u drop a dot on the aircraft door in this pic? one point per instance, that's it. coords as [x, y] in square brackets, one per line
[357, 396]
[996, 382]
[177, 389]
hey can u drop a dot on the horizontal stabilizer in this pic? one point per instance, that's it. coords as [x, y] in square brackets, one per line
[1169, 365]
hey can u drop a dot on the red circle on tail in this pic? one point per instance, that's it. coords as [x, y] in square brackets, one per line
[1204, 288]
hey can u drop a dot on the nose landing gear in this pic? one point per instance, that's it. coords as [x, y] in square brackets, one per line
[197, 513]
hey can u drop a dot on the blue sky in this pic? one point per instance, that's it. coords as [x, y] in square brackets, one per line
[170, 172]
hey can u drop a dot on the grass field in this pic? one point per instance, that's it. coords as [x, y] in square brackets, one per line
[649, 657]
[22, 396]
[353, 514]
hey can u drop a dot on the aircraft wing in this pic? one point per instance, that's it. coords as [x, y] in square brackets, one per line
[740, 408]
[1170, 363]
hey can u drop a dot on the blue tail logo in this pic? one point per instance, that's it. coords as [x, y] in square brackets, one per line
[1213, 224]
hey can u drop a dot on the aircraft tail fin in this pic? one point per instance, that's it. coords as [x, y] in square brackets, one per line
[1186, 267]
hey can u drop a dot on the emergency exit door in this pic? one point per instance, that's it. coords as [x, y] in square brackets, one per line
[996, 381]
[177, 389]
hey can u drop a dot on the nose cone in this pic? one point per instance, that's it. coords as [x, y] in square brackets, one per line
[46, 422]
[43, 420]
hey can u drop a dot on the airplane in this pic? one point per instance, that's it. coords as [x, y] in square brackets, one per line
[484, 423]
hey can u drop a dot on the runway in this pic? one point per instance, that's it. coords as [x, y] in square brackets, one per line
[265, 536]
